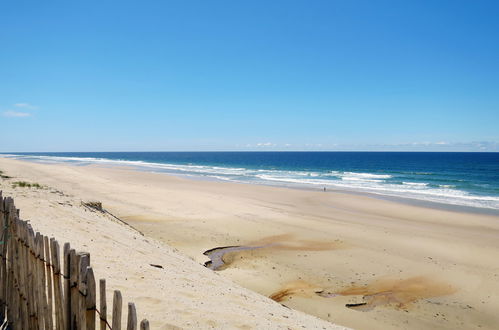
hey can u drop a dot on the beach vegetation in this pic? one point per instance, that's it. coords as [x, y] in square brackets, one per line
[24, 184]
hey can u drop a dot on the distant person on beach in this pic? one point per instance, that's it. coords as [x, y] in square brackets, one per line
[324, 188]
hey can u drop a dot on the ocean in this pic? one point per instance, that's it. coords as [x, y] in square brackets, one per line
[455, 178]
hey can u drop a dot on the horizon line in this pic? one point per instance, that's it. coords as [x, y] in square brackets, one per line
[151, 151]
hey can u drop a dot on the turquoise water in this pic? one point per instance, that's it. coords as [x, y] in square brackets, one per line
[467, 179]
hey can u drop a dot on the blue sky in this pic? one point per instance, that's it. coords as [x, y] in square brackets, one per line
[249, 75]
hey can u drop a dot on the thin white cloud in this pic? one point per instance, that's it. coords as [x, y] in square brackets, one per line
[438, 145]
[16, 114]
[25, 106]
[424, 146]
[265, 144]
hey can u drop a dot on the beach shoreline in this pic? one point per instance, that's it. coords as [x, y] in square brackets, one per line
[316, 242]
[433, 180]
[397, 199]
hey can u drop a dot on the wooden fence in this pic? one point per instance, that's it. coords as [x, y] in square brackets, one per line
[37, 291]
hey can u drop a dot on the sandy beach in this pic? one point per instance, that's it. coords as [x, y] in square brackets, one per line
[396, 266]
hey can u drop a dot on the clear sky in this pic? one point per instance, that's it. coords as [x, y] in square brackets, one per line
[249, 75]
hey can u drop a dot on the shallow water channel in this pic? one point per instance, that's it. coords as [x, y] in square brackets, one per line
[216, 254]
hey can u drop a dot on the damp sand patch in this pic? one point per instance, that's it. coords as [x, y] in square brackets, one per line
[278, 242]
[398, 293]
[392, 293]
[294, 288]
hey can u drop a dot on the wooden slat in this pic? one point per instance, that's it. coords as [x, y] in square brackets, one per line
[48, 270]
[43, 282]
[12, 254]
[32, 289]
[90, 299]
[9, 289]
[3, 265]
[67, 288]
[83, 262]
[38, 305]
[144, 325]
[26, 274]
[73, 281]
[58, 298]
[10, 243]
[18, 277]
[11, 295]
[103, 305]
[33, 279]
[132, 317]
[19, 317]
[40, 282]
[24, 311]
[117, 305]
[3, 238]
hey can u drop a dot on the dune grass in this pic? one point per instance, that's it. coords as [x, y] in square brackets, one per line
[24, 184]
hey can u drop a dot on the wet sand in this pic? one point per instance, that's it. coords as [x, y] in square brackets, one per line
[394, 265]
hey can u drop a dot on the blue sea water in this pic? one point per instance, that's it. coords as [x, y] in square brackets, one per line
[467, 179]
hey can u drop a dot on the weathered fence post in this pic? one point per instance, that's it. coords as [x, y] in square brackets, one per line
[73, 288]
[8, 254]
[11, 245]
[32, 289]
[83, 262]
[40, 282]
[144, 325]
[13, 292]
[25, 313]
[48, 270]
[103, 305]
[59, 300]
[117, 305]
[66, 286]
[90, 299]
[43, 282]
[132, 317]
[17, 274]
[3, 265]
